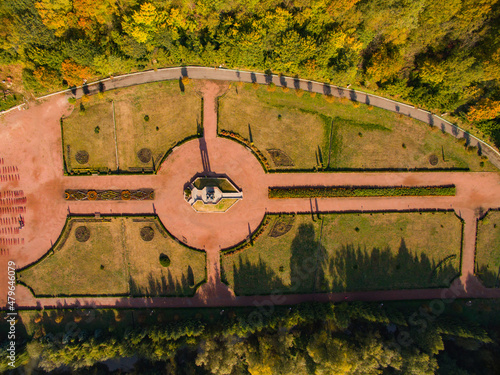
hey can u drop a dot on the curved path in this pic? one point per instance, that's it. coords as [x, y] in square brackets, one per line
[198, 72]
[32, 143]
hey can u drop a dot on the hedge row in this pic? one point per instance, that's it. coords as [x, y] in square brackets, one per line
[360, 191]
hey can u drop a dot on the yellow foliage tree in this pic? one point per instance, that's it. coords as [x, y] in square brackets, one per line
[56, 15]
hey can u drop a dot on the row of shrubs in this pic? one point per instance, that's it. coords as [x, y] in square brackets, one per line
[246, 142]
[360, 191]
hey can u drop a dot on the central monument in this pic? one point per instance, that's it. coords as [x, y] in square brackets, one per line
[212, 194]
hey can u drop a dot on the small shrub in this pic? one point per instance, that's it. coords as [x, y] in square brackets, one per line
[97, 129]
[271, 87]
[38, 319]
[255, 86]
[102, 267]
[71, 100]
[355, 104]
[157, 128]
[59, 319]
[285, 89]
[77, 318]
[360, 134]
[481, 164]
[164, 260]
[403, 145]
[82, 109]
[282, 269]
[299, 92]
[146, 118]
[356, 229]
[370, 108]
[312, 94]
[85, 99]
[279, 117]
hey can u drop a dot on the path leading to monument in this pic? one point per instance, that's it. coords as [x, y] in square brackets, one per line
[32, 142]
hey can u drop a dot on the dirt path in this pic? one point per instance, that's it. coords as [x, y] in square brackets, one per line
[32, 143]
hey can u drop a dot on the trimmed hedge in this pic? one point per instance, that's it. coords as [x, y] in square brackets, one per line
[360, 191]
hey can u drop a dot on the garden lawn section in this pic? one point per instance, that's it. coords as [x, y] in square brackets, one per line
[360, 191]
[222, 206]
[298, 125]
[154, 116]
[488, 250]
[348, 252]
[116, 261]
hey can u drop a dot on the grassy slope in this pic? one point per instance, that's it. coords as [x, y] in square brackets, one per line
[76, 268]
[363, 136]
[388, 251]
[488, 249]
[176, 116]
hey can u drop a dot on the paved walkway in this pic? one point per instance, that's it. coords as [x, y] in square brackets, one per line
[32, 143]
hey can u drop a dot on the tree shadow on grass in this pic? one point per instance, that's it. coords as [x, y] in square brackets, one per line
[165, 285]
[256, 278]
[352, 268]
[489, 276]
[356, 268]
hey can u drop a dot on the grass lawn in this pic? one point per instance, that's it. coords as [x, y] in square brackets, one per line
[363, 137]
[488, 250]
[115, 260]
[153, 116]
[222, 206]
[348, 252]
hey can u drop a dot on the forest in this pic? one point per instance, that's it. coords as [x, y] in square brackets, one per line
[441, 55]
[444, 337]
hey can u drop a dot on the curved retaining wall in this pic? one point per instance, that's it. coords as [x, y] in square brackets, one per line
[197, 72]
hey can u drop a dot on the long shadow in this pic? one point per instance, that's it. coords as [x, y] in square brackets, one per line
[306, 261]
[351, 268]
[165, 285]
[250, 136]
[356, 268]
[256, 278]
[205, 161]
[489, 277]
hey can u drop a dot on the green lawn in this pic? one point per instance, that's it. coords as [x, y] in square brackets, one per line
[116, 261]
[348, 252]
[222, 206]
[171, 118]
[363, 137]
[488, 250]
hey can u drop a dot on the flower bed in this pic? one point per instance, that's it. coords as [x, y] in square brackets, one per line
[360, 191]
[109, 195]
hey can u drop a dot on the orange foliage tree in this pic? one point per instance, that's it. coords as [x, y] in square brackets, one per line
[74, 73]
[485, 109]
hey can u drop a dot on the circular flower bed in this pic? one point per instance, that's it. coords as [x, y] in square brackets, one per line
[164, 260]
[82, 157]
[92, 195]
[145, 155]
[433, 159]
[126, 195]
[147, 233]
[82, 234]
